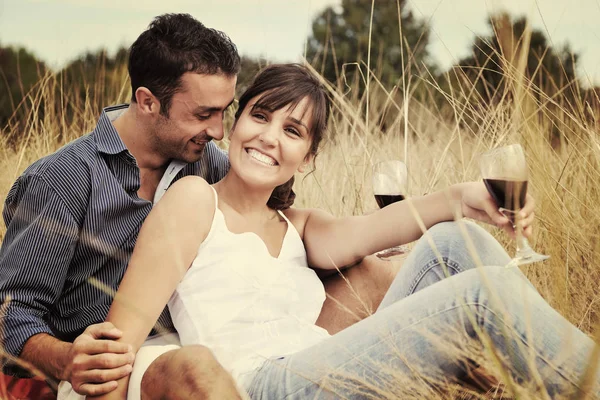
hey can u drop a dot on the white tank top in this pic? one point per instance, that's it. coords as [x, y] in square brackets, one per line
[244, 304]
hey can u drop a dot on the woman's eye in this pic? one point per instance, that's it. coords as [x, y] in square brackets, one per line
[293, 131]
[259, 116]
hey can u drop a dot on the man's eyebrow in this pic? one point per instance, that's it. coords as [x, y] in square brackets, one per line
[209, 109]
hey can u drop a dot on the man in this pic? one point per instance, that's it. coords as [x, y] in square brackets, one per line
[73, 218]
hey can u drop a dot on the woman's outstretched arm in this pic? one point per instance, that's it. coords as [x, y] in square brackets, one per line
[165, 248]
[335, 242]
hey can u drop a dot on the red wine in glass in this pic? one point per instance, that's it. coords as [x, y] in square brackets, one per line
[508, 194]
[384, 200]
[389, 186]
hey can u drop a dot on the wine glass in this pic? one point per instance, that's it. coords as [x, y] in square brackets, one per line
[389, 186]
[504, 172]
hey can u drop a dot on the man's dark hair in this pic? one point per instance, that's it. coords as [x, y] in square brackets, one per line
[175, 44]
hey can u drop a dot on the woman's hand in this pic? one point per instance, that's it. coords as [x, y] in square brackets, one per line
[477, 203]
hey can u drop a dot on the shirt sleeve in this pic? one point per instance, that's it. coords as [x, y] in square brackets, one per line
[39, 244]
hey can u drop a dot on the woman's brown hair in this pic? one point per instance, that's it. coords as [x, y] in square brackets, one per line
[283, 85]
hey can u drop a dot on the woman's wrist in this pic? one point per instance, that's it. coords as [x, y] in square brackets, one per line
[456, 195]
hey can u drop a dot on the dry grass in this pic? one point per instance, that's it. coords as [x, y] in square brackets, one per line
[440, 145]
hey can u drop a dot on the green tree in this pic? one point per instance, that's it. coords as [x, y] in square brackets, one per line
[20, 70]
[94, 79]
[340, 36]
[493, 58]
[249, 69]
[516, 63]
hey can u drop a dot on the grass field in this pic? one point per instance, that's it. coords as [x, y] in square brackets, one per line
[440, 144]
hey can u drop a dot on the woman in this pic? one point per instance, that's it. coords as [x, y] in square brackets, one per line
[232, 260]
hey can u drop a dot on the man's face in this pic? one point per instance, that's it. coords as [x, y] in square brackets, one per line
[195, 116]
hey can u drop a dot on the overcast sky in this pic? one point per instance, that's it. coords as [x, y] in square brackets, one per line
[59, 30]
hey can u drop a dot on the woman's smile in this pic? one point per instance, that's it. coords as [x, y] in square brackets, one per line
[261, 157]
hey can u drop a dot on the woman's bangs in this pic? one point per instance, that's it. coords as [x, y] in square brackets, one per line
[280, 97]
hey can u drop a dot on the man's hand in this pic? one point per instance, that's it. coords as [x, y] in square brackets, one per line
[96, 360]
[477, 203]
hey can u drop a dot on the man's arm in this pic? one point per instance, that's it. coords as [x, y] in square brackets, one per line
[35, 256]
[40, 240]
[48, 352]
[92, 363]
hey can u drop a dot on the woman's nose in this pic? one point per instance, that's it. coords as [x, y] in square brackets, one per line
[269, 135]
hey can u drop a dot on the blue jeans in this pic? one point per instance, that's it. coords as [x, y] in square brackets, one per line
[427, 319]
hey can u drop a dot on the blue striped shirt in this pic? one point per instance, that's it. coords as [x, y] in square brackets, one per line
[72, 221]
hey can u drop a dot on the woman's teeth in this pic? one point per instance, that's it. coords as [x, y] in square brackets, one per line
[263, 158]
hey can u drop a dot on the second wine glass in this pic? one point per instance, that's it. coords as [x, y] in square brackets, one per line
[389, 186]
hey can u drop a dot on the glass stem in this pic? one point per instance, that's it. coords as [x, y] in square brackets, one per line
[523, 249]
[522, 242]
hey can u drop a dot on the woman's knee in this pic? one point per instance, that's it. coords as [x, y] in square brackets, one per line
[199, 361]
[463, 229]
[467, 243]
[495, 281]
[191, 369]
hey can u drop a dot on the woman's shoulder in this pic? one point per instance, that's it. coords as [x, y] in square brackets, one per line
[190, 203]
[304, 214]
[194, 183]
[193, 191]
[300, 216]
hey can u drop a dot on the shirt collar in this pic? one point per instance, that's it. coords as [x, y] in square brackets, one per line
[107, 138]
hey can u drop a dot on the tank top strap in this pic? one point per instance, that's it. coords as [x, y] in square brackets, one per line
[218, 220]
[293, 244]
[216, 198]
[282, 215]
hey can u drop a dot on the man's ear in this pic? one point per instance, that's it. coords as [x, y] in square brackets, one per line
[307, 160]
[146, 101]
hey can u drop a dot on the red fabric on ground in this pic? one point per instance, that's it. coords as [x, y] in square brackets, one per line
[12, 388]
